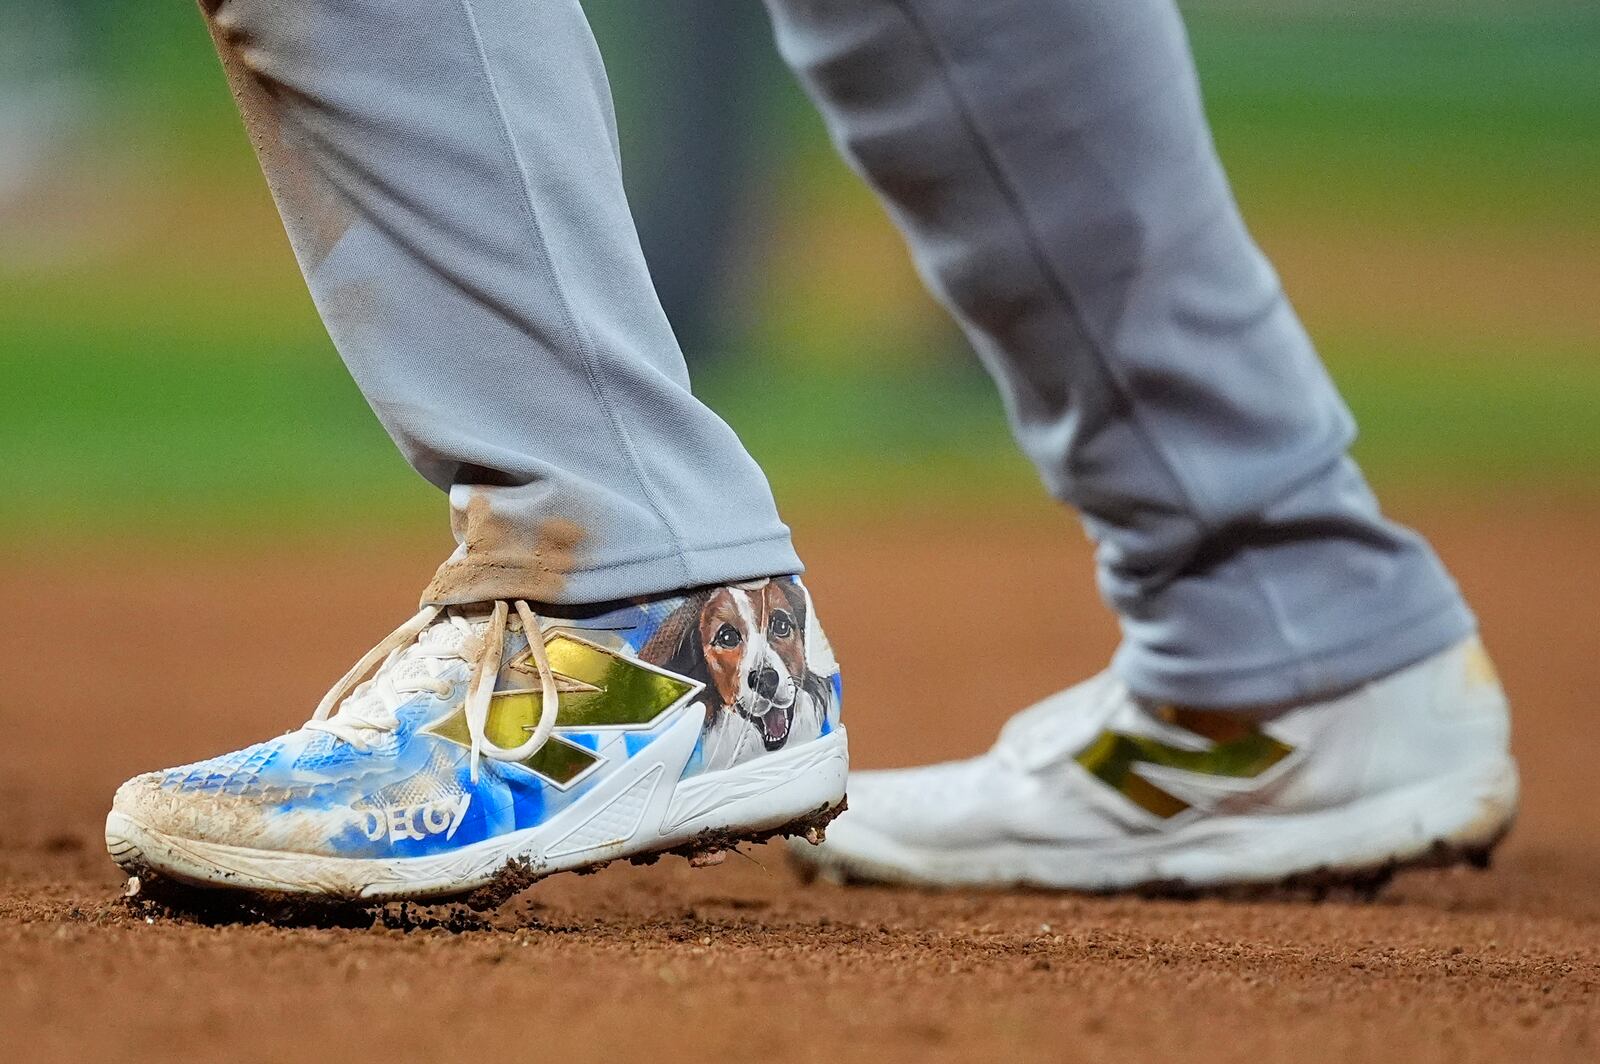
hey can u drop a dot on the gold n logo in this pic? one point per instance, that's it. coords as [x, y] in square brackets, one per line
[598, 688]
[1239, 750]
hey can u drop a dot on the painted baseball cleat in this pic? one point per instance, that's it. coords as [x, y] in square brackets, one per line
[1096, 790]
[460, 755]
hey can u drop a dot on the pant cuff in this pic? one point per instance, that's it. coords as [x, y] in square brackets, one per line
[474, 576]
[1204, 684]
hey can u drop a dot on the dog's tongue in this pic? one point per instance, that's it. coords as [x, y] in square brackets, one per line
[775, 725]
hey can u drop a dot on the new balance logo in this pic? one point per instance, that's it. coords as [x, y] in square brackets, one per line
[598, 688]
[1239, 750]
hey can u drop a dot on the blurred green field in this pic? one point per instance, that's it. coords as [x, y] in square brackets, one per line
[1427, 180]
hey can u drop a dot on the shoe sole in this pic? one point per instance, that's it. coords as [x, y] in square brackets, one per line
[1451, 820]
[629, 815]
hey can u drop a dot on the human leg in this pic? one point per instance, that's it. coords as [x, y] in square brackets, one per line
[1297, 696]
[617, 661]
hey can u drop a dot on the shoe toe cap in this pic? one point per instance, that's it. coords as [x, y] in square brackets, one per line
[145, 800]
[155, 802]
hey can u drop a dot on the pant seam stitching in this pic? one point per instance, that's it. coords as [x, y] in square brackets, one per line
[583, 342]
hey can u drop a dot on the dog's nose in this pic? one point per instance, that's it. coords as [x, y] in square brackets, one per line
[764, 682]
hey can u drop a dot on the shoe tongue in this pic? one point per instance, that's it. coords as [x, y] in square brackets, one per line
[458, 634]
[412, 665]
[449, 635]
[437, 644]
[430, 657]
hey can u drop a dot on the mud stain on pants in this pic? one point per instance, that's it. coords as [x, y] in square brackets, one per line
[500, 558]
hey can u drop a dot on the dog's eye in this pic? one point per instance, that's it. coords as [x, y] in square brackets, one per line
[727, 636]
[781, 627]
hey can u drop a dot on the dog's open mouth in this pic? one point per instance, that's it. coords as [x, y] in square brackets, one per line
[774, 725]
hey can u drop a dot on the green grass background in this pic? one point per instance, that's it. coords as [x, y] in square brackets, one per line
[163, 368]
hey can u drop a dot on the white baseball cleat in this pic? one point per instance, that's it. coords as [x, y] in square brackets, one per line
[1096, 790]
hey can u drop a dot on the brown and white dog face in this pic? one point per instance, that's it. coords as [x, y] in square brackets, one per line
[746, 643]
[755, 654]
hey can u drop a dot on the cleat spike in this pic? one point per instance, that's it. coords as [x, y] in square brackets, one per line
[814, 835]
[707, 858]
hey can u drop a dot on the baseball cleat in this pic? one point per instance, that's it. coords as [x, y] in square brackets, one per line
[1096, 790]
[476, 750]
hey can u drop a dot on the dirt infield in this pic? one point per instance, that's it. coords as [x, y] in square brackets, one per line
[117, 664]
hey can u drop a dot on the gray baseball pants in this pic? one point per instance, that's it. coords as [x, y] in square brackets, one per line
[448, 174]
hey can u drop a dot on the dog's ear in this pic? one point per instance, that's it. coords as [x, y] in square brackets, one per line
[676, 645]
[817, 686]
[795, 596]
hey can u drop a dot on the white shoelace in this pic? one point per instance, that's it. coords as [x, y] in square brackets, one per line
[356, 706]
